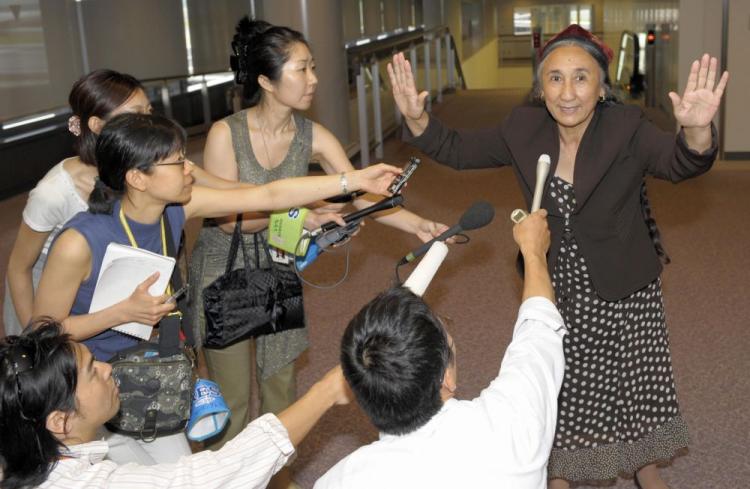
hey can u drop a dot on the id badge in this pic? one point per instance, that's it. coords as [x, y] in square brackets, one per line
[280, 256]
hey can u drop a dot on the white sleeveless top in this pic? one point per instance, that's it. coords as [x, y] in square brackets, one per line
[52, 203]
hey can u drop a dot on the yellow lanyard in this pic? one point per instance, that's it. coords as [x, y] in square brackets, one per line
[134, 244]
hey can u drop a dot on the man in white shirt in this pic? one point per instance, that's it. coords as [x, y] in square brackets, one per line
[54, 398]
[400, 363]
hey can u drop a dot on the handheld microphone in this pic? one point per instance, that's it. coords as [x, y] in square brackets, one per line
[478, 215]
[542, 170]
[422, 275]
[355, 216]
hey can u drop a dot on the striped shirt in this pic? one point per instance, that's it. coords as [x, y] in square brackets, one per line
[247, 462]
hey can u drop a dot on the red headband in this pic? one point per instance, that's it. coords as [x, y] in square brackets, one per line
[575, 31]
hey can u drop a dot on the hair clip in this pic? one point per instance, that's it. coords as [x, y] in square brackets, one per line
[74, 125]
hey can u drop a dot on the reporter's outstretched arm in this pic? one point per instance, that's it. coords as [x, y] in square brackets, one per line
[533, 238]
[300, 417]
[288, 192]
[522, 400]
[333, 159]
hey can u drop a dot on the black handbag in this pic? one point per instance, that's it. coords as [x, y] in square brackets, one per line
[249, 302]
[156, 379]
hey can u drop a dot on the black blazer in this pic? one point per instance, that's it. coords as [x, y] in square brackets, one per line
[618, 149]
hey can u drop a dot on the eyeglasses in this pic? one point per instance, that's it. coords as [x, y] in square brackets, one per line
[20, 359]
[172, 163]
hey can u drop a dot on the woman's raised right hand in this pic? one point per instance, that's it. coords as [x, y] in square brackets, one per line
[375, 178]
[408, 100]
[142, 307]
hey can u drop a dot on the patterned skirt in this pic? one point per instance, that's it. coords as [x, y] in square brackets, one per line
[617, 409]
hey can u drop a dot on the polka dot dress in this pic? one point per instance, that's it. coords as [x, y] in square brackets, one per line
[617, 409]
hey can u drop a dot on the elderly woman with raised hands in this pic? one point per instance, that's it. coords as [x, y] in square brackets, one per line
[618, 409]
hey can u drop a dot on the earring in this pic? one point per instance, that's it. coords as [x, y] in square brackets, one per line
[602, 99]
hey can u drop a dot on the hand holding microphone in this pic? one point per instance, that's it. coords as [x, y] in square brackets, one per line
[533, 236]
[542, 171]
[478, 215]
[332, 232]
[384, 204]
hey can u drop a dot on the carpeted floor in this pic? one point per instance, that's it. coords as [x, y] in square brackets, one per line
[705, 288]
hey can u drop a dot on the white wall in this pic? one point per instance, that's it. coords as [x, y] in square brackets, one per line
[700, 24]
[41, 55]
[321, 23]
[145, 38]
[737, 103]
[212, 24]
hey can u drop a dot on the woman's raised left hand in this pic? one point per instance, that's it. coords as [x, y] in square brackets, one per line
[700, 101]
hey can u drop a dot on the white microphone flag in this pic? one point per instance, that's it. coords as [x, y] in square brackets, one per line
[422, 275]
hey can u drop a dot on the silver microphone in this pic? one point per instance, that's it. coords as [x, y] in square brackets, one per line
[542, 170]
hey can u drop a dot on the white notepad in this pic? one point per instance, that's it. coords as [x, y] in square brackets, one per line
[123, 269]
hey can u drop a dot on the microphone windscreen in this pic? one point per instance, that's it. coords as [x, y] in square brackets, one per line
[478, 215]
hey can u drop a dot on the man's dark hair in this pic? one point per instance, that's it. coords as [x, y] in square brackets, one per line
[394, 354]
[38, 375]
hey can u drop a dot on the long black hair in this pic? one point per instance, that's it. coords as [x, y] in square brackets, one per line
[97, 95]
[131, 142]
[38, 375]
[260, 48]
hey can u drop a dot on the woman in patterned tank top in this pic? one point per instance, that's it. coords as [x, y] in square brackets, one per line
[270, 140]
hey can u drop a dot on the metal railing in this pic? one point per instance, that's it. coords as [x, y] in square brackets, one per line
[628, 81]
[519, 47]
[31, 144]
[172, 96]
[366, 59]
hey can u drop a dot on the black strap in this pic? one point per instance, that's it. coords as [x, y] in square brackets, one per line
[235, 244]
[149, 431]
[169, 326]
[271, 264]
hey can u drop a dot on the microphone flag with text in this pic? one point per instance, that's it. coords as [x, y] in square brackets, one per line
[478, 215]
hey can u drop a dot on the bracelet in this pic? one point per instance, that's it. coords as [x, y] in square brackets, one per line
[344, 183]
